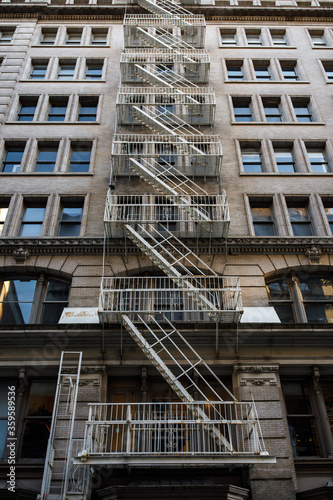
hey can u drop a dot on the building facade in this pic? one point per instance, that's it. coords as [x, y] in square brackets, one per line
[166, 215]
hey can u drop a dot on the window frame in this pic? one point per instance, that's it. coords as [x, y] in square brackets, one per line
[13, 148]
[76, 144]
[66, 204]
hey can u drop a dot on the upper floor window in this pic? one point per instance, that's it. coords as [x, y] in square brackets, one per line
[242, 109]
[328, 67]
[66, 70]
[57, 109]
[80, 157]
[27, 109]
[328, 207]
[38, 70]
[279, 37]
[70, 220]
[32, 221]
[302, 109]
[47, 157]
[289, 71]
[299, 218]
[3, 215]
[6, 35]
[74, 36]
[32, 299]
[253, 37]
[284, 158]
[13, 158]
[262, 71]
[317, 158]
[262, 218]
[235, 70]
[318, 38]
[48, 36]
[94, 70]
[272, 109]
[88, 109]
[251, 157]
[228, 37]
[99, 36]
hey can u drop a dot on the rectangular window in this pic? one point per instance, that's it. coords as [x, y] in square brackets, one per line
[70, 221]
[47, 157]
[299, 218]
[80, 158]
[3, 215]
[318, 38]
[32, 221]
[253, 37]
[6, 35]
[318, 160]
[228, 37]
[27, 109]
[48, 36]
[88, 109]
[288, 69]
[251, 157]
[94, 71]
[262, 71]
[242, 110]
[13, 158]
[328, 67]
[66, 71]
[284, 159]
[74, 37]
[279, 37]
[328, 207]
[235, 71]
[302, 111]
[262, 218]
[272, 109]
[38, 71]
[99, 36]
[58, 109]
[37, 422]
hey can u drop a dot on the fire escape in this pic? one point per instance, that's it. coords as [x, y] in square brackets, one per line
[164, 52]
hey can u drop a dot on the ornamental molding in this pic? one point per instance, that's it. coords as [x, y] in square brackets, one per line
[21, 255]
[258, 381]
[313, 254]
[256, 368]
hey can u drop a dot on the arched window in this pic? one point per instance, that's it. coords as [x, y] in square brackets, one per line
[32, 299]
[302, 298]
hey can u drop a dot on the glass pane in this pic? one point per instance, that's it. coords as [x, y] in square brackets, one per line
[48, 155]
[52, 313]
[71, 214]
[34, 214]
[83, 156]
[303, 437]
[319, 313]
[285, 313]
[35, 438]
[278, 290]
[57, 291]
[316, 287]
[261, 214]
[3, 214]
[17, 296]
[3, 433]
[264, 229]
[298, 214]
[31, 229]
[296, 394]
[328, 210]
[302, 229]
[41, 399]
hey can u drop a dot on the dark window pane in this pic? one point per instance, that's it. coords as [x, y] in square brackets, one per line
[264, 229]
[278, 290]
[319, 313]
[55, 301]
[303, 229]
[303, 436]
[35, 438]
[33, 214]
[285, 313]
[17, 296]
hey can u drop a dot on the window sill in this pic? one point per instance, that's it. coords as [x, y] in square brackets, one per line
[56, 80]
[52, 123]
[298, 82]
[281, 47]
[78, 46]
[43, 174]
[288, 174]
[279, 124]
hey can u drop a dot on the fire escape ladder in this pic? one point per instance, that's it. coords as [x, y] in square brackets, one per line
[172, 379]
[60, 476]
[164, 8]
[160, 75]
[162, 39]
[164, 122]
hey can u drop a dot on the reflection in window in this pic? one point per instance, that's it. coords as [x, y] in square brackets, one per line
[70, 222]
[328, 207]
[58, 109]
[13, 158]
[302, 298]
[263, 223]
[3, 215]
[46, 160]
[37, 421]
[284, 159]
[32, 221]
[300, 221]
[319, 163]
[32, 299]
[80, 159]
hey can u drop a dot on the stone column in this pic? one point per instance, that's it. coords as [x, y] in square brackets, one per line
[268, 481]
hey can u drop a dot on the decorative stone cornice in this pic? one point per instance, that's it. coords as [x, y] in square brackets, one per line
[256, 368]
[313, 254]
[21, 255]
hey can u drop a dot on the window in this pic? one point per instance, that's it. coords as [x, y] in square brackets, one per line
[328, 67]
[302, 298]
[32, 299]
[94, 71]
[253, 37]
[13, 158]
[301, 420]
[228, 37]
[284, 159]
[318, 38]
[235, 71]
[32, 221]
[37, 421]
[262, 71]
[242, 109]
[27, 109]
[66, 71]
[46, 160]
[288, 69]
[80, 158]
[302, 111]
[6, 35]
[3, 215]
[328, 207]
[263, 224]
[279, 37]
[48, 36]
[98, 36]
[38, 71]
[58, 109]
[70, 221]
[299, 219]
[74, 36]
[88, 109]
[251, 157]
[272, 109]
[318, 160]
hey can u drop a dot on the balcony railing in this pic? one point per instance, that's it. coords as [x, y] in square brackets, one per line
[198, 433]
[161, 297]
[182, 219]
[198, 156]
